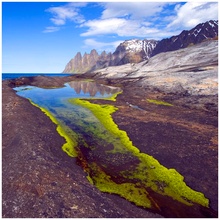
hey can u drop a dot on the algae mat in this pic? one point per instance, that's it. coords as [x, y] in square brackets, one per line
[105, 152]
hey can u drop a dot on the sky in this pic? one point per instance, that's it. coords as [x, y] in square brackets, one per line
[42, 37]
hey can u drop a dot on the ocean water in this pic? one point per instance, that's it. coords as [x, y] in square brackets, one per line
[18, 75]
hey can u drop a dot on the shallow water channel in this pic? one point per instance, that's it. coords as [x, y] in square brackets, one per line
[105, 152]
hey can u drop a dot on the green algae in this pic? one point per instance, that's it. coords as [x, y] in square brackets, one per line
[69, 136]
[170, 182]
[158, 102]
[149, 172]
[103, 114]
[131, 191]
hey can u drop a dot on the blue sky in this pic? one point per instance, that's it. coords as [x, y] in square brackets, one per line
[42, 37]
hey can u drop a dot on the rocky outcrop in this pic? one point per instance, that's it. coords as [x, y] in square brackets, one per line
[136, 51]
[192, 70]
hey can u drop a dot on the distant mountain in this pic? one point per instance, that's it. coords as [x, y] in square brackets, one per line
[201, 32]
[130, 51]
[80, 64]
[135, 51]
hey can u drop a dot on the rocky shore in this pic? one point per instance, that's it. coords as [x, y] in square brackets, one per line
[39, 180]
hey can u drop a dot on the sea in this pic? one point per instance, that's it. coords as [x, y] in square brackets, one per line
[18, 75]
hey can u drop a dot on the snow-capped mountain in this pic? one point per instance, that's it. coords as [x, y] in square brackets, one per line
[201, 32]
[135, 51]
[139, 46]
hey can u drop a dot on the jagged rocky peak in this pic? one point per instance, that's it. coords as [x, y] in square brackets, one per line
[78, 56]
[208, 29]
[105, 55]
[81, 64]
[94, 53]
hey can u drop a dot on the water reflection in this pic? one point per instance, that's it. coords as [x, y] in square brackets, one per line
[92, 88]
[74, 89]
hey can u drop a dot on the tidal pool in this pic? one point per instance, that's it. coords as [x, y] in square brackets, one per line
[105, 152]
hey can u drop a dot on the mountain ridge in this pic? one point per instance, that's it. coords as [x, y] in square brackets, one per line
[135, 51]
[196, 35]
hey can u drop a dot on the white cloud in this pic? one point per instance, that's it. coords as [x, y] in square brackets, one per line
[66, 12]
[100, 46]
[106, 26]
[124, 28]
[193, 13]
[134, 10]
[125, 19]
[51, 29]
[131, 19]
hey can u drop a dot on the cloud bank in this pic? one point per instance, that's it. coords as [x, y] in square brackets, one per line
[193, 13]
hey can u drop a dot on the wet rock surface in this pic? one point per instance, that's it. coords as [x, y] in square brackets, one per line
[40, 180]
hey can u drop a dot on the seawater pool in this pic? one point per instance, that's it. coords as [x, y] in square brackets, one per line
[58, 96]
[105, 152]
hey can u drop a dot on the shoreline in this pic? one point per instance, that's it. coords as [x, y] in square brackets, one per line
[198, 125]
